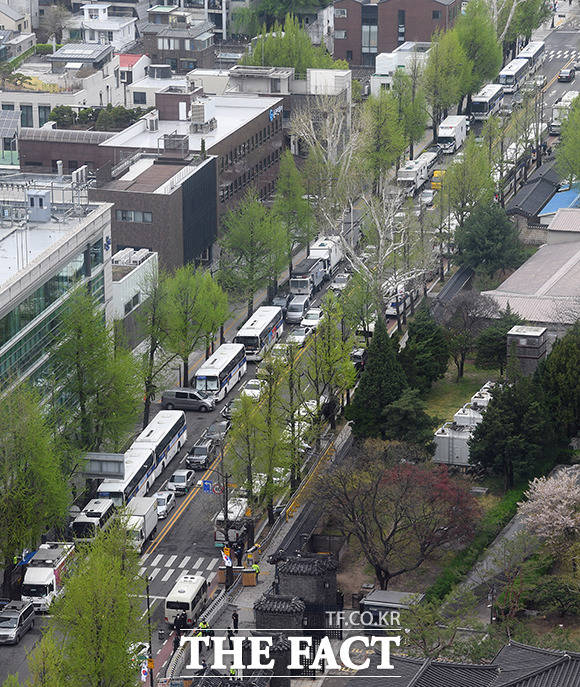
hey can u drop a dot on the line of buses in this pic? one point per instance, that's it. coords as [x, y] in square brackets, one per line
[489, 100]
[166, 434]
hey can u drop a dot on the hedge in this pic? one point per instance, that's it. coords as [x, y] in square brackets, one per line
[490, 526]
[46, 48]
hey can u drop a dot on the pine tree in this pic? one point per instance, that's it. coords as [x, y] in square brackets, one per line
[426, 353]
[492, 342]
[381, 383]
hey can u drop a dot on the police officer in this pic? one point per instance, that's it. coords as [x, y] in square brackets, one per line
[233, 673]
[204, 628]
[230, 636]
[176, 641]
[235, 620]
[256, 569]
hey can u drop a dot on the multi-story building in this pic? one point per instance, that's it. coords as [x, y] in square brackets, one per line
[51, 240]
[13, 44]
[173, 37]
[166, 203]
[365, 28]
[95, 25]
[132, 68]
[13, 19]
[29, 7]
[141, 93]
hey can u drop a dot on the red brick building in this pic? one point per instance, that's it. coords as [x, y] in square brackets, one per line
[364, 28]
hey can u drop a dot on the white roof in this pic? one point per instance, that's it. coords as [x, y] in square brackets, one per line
[566, 219]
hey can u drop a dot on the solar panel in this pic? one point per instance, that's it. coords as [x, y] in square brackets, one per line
[9, 121]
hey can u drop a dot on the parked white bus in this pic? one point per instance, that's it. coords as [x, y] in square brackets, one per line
[139, 477]
[534, 53]
[261, 331]
[487, 102]
[165, 435]
[514, 74]
[222, 371]
[189, 595]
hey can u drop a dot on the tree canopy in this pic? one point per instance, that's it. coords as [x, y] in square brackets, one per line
[491, 344]
[289, 45]
[568, 150]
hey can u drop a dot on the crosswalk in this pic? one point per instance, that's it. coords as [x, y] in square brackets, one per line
[564, 55]
[163, 570]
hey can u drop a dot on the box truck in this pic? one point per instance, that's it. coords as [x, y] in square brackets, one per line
[142, 520]
[329, 250]
[452, 133]
[44, 577]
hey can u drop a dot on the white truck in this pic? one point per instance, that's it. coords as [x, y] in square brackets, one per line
[329, 250]
[560, 111]
[45, 574]
[452, 133]
[238, 509]
[414, 173]
[142, 519]
[307, 277]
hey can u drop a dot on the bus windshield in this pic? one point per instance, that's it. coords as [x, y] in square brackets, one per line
[84, 530]
[36, 590]
[117, 497]
[506, 79]
[251, 343]
[478, 106]
[206, 383]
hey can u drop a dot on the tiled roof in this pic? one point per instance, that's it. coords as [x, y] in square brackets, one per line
[538, 190]
[304, 565]
[566, 219]
[129, 60]
[528, 666]
[456, 675]
[288, 605]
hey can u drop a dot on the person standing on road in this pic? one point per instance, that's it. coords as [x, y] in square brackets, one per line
[230, 636]
[256, 569]
[176, 641]
[235, 620]
[239, 555]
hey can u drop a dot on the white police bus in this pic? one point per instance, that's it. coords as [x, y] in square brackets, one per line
[514, 74]
[534, 53]
[139, 477]
[222, 371]
[261, 331]
[487, 102]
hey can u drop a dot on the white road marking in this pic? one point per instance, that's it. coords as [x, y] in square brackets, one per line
[185, 561]
[198, 563]
[144, 557]
[170, 561]
[212, 563]
[154, 574]
[168, 574]
[157, 559]
[142, 571]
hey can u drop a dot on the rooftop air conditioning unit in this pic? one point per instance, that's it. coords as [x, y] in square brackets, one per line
[152, 123]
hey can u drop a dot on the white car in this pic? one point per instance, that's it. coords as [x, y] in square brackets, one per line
[181, 481]
[252, 388]
[340, 282]
[298, 336]
[312, 318]
[426, 197]
[165, 503]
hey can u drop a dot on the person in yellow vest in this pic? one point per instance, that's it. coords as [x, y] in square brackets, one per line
[256, 569]
[204, 628]
[233, 673]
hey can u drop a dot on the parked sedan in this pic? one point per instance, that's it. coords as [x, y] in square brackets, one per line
[165, 503]
[218, 429]
[312, 318]
[252, 388]
[340, 282]
[282, 300]
[567, 74]
[298, 336]
[181, 481]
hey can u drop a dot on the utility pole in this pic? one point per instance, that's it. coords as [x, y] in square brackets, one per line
[150, 659]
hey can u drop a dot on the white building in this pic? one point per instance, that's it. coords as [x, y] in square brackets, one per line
[51, 240]
[141, 93]
[387, 63]
[131, 269]
[29, 7]
[96, 25]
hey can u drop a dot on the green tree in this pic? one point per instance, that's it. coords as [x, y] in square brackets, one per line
[244, 444]
[381, 383]
[528, 15]
[468, 182]
[568, 149]
[487, 240]
[359, 307]
[34, 494]
[491, 344]
[253, 249]
[557, 594]
[559, 378]
[289, 45]
[99, 620]
[196, 308]
[101, 382]
[426, 353]
[478, 39]
[412, 106]
[516, 438]
[383, 136]
[292, 207]
[447, 70]
[405, 420]
[63, 115]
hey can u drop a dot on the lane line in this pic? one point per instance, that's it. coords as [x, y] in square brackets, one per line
[156, 561]
[185, 561]
[154, 574]
[168, 574]
[144, 557]
[198, 563]
[170, 561]
[212, 563]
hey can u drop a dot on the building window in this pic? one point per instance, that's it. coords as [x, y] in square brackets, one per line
[7, 106]
[26, 115]
[349, 55]
[369, 38]
[340, 13]
[339, 35]
[436, 14]
[43, 112]
[139, 98]
[134, 216]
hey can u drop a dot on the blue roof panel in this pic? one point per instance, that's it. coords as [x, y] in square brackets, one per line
[563, 199]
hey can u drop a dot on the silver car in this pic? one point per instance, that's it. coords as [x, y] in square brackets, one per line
[165, 503]
[181, 481]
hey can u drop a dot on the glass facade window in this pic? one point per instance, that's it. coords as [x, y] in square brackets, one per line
[139, 98]
[26, 115]
[43, 112]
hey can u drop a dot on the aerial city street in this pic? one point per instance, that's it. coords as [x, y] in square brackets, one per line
[290, 343]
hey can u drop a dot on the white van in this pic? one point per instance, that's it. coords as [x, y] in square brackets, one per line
[189, 595]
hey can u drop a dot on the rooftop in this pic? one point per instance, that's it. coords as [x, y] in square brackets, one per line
[147, 175]
[10, 12]
[81, 52]
[534, 195]
[307, 565]
[546, 288]
[129, 60]
[279, 604]
[232, 112]
[562, 199]
[566, 219]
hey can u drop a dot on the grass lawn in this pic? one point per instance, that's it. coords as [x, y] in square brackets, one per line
[447, 395]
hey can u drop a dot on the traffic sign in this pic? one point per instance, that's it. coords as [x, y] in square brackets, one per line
[217, 489]
[150, 663]
[207, 486]
[227, 551]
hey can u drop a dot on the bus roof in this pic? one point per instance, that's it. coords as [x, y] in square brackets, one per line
[134, 458]
[259, 320]
[185, 587]
[159, 426]
[223, 354]
[514, 67]
[532, 49]
[488, 91]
